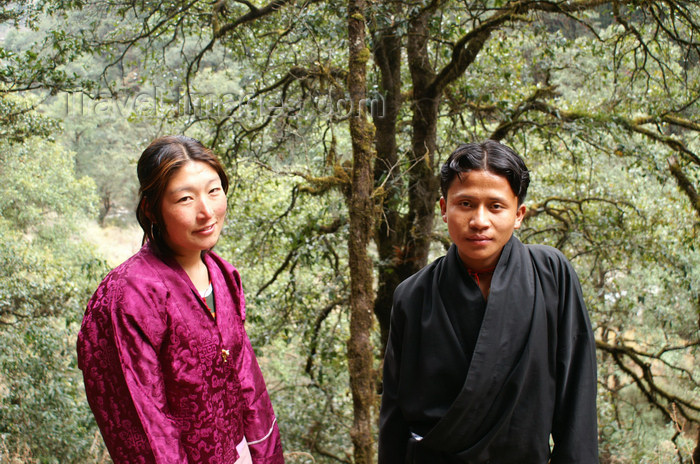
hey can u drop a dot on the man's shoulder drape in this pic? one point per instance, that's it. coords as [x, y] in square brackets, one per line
[474, 381]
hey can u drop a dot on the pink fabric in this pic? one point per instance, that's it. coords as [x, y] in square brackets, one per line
[243, 453]
[168, 383]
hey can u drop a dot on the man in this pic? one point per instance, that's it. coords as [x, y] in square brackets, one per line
[491, 353]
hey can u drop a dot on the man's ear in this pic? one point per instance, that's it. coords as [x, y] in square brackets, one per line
[519, 216]
[443, 209]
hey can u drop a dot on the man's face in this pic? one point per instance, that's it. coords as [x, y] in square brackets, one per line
[481, 211]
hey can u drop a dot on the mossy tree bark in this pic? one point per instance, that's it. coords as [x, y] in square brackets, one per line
[403, 241]
[359, 200]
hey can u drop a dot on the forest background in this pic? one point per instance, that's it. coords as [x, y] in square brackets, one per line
[332, 119]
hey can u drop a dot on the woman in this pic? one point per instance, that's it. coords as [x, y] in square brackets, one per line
[169, 371]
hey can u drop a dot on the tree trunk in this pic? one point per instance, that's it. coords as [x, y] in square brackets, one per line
[404, 241]
[423, 186]
[361, 212]
[390, 230]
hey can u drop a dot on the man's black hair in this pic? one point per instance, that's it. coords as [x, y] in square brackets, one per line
[490, 156]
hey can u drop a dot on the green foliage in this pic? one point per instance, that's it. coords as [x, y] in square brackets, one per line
[107, 141]
[295, 277]
[605, 196]
[43, 411]
[34, 58]
[586, 101]
[39, 186]
[19, 120]
[46, 276]
[314, 415]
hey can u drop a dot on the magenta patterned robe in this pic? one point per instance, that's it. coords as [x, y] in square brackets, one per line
[167, 382]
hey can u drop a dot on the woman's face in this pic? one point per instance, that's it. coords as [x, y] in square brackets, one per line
[193, 209]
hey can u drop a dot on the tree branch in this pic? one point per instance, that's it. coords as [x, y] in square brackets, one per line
[645, 381]
[684, 183]
[320, 317]
[467, 48]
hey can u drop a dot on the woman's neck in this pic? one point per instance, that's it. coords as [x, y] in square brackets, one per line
[194, 267]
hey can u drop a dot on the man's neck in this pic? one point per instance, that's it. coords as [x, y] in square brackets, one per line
[483, 279]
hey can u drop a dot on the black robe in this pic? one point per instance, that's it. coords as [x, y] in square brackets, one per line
[487, 382]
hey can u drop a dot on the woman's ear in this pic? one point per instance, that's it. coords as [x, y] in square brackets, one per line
[145, 208]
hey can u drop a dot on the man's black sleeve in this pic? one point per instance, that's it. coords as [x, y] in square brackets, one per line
[393, 430]
[574, 428]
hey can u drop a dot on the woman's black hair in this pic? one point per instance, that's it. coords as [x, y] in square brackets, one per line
[491, 156]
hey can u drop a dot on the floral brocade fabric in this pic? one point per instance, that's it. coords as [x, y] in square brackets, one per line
[167, 382]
